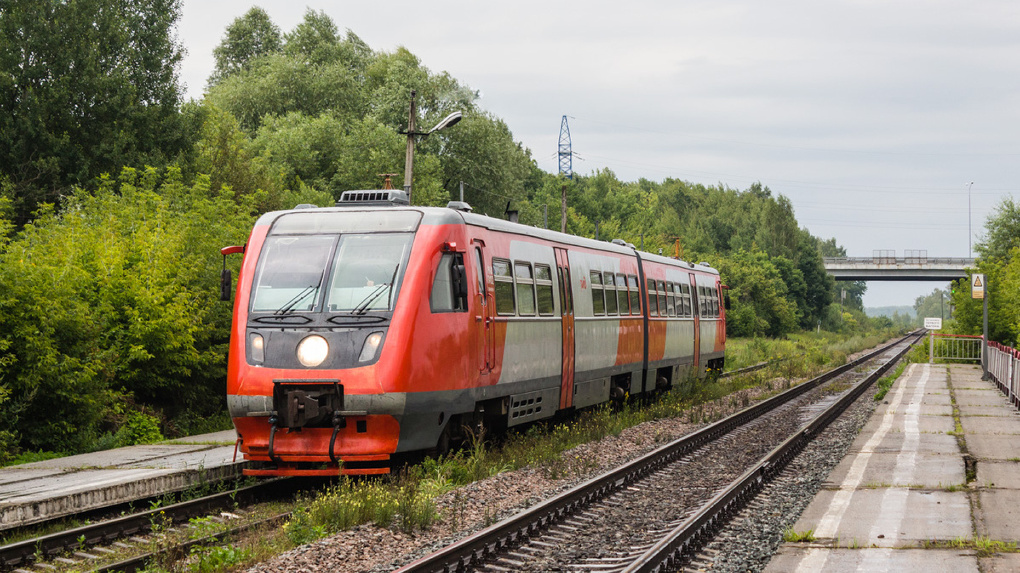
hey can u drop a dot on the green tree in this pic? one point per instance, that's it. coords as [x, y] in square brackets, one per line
[85, 87]
[247, 38]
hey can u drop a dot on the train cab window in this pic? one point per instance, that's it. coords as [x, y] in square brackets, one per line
[653, 300]
[598, 301]
[525, 289]
[445, 296]
[621, 291]
[635, 294]
[661, 291]
[670, 300]
[611, 302]
[544, 289]
[480, 271]
[504, 282]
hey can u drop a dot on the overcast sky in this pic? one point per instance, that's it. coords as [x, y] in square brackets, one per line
[871, 116]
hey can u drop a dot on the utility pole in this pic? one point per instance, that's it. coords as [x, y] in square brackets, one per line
[409, 158]
[461, 191]
[563, 219]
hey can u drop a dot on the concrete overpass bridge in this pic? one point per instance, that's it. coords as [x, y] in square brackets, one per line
[886, 266]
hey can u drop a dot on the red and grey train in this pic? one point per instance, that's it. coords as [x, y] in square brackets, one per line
[372, 329]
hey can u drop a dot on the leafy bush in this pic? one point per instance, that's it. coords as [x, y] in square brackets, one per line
[138, 428]
[114, 300]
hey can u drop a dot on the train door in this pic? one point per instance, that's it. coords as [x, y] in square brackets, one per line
[486, 342]
[696, 303]
[567, 329]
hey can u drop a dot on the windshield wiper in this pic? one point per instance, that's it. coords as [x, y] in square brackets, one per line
[300, 296]
[362, 306]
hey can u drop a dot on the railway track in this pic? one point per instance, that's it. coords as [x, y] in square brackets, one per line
[123, 532]
[652, 514]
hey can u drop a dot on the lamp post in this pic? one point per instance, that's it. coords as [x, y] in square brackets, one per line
[411, 133]
[970, 235]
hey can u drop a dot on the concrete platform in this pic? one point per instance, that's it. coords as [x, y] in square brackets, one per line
[900, 499]
[35, 492]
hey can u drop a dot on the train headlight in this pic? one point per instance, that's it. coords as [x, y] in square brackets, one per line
[371, 346]
[312, 351]
[258, 348]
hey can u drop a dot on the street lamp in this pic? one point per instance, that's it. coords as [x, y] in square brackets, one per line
[970, 235]
[411, 133]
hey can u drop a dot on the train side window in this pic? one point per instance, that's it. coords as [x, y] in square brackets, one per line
[653, 300]
[661, 291]
[504, 280]
[525, 289]
[444, 297]
[635, 294]
[621, 291]
[612, 305]
[598, 301]
[688, 304]
[480, 267]
[670, 300]
[544, 288]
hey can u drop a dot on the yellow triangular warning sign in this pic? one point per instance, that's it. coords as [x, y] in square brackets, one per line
[977, 281]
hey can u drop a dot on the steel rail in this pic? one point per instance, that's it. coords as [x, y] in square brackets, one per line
[54, 544]
[141, 561]
[475, 548]
[669, 553]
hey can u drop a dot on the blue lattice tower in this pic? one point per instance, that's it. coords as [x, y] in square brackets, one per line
[566, 153]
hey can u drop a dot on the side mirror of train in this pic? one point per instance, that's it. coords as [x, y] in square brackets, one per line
[226, 282]
[726, 301]
[460, 285]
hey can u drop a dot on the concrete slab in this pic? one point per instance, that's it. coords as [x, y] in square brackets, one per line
[893, 442]
[793, 558]
[1001, 474]
[989, 398]
[997, 410]
[938, 398]
[927, 424]
[884, 470]
[993, 447]
[1002, 563]
[991, 425]
[998, 515]
[35, 492]
[887, 517]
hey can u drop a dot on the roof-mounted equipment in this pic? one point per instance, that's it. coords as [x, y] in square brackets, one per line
[376, 198]
[459, 206]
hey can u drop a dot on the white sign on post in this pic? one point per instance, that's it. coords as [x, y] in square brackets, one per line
[933, 323]
[977, 286]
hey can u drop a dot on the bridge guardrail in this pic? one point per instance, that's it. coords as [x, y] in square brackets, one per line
[901, 260]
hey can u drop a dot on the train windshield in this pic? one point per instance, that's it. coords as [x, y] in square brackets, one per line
[364, 272]
[367, 271]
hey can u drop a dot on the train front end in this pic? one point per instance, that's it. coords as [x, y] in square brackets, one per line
[316, 298]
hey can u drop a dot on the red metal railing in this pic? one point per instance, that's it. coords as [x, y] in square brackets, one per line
[1004, 368]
